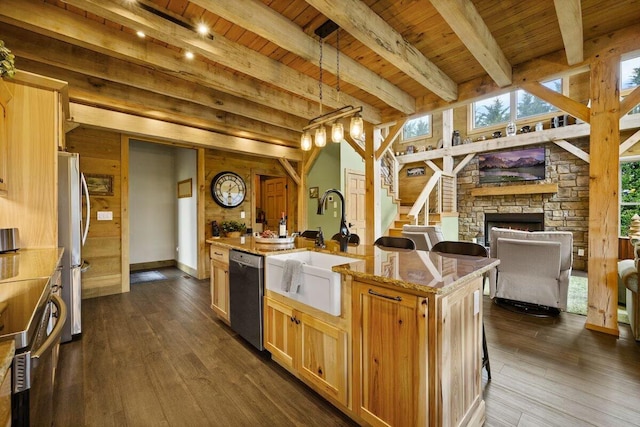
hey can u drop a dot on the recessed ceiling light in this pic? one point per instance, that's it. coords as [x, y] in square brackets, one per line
[203, 29]
[188, 55]
[141, 34]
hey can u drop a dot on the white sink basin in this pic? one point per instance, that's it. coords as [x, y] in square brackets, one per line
[320, 286]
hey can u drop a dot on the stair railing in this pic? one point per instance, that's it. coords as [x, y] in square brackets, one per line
[423, 198]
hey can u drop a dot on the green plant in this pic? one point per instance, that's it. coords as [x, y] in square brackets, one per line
[229, 226]
[7, 65]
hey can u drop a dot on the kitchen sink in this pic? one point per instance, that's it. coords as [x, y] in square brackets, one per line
[320, 287]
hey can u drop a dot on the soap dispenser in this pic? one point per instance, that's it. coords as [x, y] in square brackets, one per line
[320, 239]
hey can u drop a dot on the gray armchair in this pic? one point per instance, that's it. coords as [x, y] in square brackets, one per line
[425, 236]
[535, 267]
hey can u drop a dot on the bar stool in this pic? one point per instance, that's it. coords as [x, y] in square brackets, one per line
[472, 249]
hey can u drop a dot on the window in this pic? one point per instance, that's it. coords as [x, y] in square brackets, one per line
[529, 105]
[630, 78]
[419, 127]
[501, 109]
[629, 192]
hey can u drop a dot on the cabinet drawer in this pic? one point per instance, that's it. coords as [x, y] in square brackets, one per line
[220, 254]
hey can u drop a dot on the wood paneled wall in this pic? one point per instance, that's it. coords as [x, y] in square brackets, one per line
[100, 154]
[247, 167]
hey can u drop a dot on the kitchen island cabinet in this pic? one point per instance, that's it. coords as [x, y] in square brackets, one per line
[220, 282]
[312, 349]
[410, 331]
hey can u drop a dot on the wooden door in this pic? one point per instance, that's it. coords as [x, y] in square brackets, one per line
[220, 290]
[275, 201]
[386, 356]
[355, 201]
[322, 356]
[279, 331]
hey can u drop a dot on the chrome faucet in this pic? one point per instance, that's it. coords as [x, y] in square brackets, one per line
[344, 230]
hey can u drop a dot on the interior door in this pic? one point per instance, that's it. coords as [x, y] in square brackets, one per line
[355, 201]
[274, 191]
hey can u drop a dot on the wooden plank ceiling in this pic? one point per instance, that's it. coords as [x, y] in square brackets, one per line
[256, 73]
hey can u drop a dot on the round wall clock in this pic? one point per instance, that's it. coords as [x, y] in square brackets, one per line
[228, 189]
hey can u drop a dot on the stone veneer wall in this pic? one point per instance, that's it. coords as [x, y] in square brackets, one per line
[567, 210]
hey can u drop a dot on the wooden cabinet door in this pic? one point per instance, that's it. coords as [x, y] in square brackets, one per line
[386, 356]
[322, 356]
[279, 331]
[5, 97]
[220, 290]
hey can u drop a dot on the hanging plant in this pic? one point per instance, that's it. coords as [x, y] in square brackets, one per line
[7, 65]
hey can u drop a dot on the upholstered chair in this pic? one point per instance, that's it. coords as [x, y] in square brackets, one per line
[628, 274]
[535, 267]
[425, 236]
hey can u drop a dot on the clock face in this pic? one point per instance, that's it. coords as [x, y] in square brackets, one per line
[228, 189]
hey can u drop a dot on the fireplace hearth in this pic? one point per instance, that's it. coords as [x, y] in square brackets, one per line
[515, 221]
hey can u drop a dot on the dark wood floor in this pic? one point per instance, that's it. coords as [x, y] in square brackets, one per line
[158, 356]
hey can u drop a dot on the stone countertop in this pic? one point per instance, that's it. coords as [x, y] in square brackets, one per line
[28, 264]
[420, 272]
[7, 351]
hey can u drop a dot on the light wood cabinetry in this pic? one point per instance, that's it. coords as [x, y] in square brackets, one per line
[314, 350]
[389, 328]
[5, 98]
[32, 129]
[417, 360]
[220, 282]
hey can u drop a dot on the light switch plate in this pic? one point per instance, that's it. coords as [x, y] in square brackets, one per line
[241, 214]
[105, 216]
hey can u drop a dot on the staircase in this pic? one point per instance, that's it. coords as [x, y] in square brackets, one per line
[396, 228]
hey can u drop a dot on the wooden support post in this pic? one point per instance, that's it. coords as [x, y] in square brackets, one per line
[602, 310]
[371, 175]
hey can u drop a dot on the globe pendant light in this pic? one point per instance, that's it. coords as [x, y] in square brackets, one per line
[321, 137]
[305, 141]
[337, 132]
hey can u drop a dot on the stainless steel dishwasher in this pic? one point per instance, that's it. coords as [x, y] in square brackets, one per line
[246, 288]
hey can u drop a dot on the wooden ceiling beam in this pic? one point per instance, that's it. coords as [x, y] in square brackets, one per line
[570, 20]
[132, 125]
[630, 101]
[556, 99]
[225, 52]
[547, 67]
[286, 34]
[62, 25]
[464, 19]
[114, 96]
[35, 47]
[365, 25]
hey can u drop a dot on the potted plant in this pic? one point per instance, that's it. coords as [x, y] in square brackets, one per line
[7, 65]
[233, 228]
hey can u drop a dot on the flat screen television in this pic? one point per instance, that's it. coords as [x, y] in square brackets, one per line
[512, 166]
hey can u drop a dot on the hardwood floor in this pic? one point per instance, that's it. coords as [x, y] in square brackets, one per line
[158, 356]
[554, 372]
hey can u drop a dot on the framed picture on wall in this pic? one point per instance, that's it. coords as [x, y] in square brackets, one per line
[313, 192]
[184, 188]
[99, 185]
[417, 171]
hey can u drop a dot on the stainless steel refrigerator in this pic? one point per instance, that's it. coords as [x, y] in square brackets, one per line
[72, 233]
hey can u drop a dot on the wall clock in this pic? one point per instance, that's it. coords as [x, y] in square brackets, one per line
[228, 189]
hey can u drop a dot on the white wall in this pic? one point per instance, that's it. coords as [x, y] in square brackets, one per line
[152, 202]
[187, 212]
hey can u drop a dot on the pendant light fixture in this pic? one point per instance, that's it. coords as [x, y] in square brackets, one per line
[356, 127]
[337, 131]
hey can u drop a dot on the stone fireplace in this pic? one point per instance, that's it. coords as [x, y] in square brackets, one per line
[515, 221]
[565, 209]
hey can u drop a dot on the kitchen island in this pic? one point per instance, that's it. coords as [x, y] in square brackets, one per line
[407, 346]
